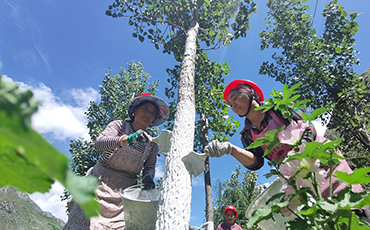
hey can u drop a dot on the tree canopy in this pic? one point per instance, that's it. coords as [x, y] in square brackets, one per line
[240, 190]
[116, 93]
[166, 23]
[324, 64]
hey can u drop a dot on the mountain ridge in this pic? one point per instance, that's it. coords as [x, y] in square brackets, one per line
[19, 211]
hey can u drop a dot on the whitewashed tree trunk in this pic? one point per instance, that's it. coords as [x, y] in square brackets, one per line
[174, 205]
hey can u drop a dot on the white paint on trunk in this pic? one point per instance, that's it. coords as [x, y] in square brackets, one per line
[174, 204]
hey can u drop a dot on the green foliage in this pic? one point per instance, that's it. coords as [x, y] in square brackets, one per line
[28, 161]
[240, 190]
[323, 64]
[284, 101]
[116, 92]
[165, 23]
[177, 25]
[211, 109]
[313, 211]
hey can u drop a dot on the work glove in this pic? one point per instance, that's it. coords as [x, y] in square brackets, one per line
[148, 183]
[139, 137]
[217, 149]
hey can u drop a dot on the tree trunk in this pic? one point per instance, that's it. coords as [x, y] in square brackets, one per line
[174, 205]
[207, 175]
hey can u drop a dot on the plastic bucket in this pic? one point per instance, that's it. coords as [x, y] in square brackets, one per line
[140, 207]
[260, 201]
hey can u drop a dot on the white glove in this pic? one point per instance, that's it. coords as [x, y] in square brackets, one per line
[218, 149]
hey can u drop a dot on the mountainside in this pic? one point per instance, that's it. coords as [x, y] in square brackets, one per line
[18, 211]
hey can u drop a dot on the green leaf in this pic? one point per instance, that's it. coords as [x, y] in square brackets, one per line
[356, 223]
[314, 114]
[346, 199]
[27, 160]
[82, 190]
[259, 215]
[141, 38]
[330, 207]
[29, 148]
[18, 171]
[338, 50]
[359, 176]
[298, 224]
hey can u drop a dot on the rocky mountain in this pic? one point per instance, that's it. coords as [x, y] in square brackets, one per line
[19, 212]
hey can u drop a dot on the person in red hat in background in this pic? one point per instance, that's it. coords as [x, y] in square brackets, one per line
[230, 214]
[126, 151]
[244, 96]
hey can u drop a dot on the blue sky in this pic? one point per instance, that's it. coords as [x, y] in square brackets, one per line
[62, 49]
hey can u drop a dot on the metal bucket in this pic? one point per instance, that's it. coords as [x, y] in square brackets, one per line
[140, 207]
[260, 201]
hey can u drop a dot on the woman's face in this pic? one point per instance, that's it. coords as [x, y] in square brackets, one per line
[145, 114]
[230, 217]
[238, 103]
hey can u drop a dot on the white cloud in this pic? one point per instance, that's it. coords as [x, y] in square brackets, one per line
[159, 170]
[198, 181]
[63, 121]
[51, 202]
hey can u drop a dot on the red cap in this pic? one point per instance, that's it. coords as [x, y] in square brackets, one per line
[234, 84]
[231, 208]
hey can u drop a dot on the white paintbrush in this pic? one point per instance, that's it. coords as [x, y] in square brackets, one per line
[163, 140]
[195, 162]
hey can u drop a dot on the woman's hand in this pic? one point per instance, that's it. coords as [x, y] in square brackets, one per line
[139, 137]
[218, 149]
[148, 183]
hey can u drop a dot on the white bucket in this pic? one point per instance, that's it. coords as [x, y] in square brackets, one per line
[140, 207]
[260, 201]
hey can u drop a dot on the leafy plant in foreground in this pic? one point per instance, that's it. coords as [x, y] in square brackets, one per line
[27, 160]
[301, 173]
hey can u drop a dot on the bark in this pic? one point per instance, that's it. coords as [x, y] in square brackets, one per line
[174, 205]
[207, 175]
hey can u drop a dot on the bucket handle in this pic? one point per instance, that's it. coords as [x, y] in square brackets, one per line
[131, 187]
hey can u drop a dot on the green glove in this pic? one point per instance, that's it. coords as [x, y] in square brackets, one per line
[139, 137]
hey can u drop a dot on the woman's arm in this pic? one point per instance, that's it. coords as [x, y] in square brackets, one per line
[250, 160]
[110, 139]
[149, 164]
[245, 157]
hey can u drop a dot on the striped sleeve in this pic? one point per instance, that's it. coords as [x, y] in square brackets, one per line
[108, 140]
[310, 134]
[297, 114]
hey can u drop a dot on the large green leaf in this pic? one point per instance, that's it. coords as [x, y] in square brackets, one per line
[27, 160]
[359, 176]
[32, 147]
[259, 215]
[347, 199]
[83, 192]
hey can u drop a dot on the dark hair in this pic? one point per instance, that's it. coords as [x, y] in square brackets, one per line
[247, 92]
[141, 104]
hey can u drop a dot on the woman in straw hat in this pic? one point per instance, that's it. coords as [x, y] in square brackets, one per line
[126, 151]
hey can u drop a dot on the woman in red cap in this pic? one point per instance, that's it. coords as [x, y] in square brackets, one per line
[126, 151]
[244, 97]
[230, 213]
